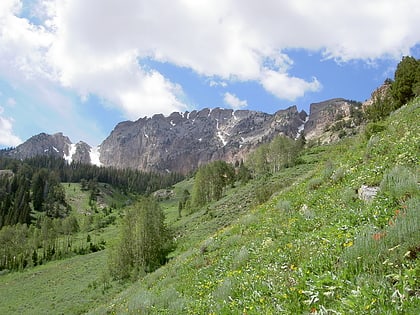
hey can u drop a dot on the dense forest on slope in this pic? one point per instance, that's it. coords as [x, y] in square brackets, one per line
[38, 223]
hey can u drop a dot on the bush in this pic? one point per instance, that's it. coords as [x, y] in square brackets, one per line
[315, 183]
[145, 241]
[399, 183]
[338, 174]
[373, 128]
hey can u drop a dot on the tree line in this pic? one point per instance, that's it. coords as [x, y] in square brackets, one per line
[127, 180]
[35, 184]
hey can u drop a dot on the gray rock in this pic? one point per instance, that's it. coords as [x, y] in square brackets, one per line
[183, 141]
[367, 193]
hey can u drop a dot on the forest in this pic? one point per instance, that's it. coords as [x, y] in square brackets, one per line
[37, 224]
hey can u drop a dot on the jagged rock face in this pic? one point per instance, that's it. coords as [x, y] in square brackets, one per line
[82, 153]
[324, 115]
[56, 145]
[42, 144]
[183, 141]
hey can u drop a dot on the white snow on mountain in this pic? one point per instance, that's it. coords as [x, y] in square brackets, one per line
[72, 151]
[94, 156]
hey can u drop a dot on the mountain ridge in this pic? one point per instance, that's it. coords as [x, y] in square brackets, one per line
[181, 142]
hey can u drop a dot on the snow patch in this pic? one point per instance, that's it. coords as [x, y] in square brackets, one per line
[94, 155]
[146, 135]
[55, 149]
[301, 127]
[200, 139]
[219, 134]
[172, 123]
[72, 151]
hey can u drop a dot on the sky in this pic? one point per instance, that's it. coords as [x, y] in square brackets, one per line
[81, 66]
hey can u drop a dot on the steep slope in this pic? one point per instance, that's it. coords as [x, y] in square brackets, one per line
[315, 247]
[182, 142]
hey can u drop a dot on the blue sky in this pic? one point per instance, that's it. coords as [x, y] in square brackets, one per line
[80, 67]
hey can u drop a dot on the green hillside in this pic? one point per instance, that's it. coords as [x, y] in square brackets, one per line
[296, 241]
[313, 247]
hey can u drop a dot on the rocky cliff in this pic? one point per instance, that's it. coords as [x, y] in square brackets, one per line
[56, 145]
[183, 141]
[332, 119]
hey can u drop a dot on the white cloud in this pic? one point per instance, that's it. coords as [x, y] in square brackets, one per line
[285, 87]
[214, 83]
[234, 102]
[96, 47]
[7, 138]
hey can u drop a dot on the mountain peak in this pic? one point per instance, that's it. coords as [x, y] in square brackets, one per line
[183, 141]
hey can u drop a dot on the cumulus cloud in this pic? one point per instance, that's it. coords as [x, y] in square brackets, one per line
[285, 87]
[7, 138]
[234, 102]
[97, 47]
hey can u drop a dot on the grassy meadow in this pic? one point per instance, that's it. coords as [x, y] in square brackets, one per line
[299, 241]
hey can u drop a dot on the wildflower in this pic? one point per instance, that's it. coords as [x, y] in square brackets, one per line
[378, 236]
[348, 244]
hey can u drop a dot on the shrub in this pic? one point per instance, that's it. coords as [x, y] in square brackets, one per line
[374, 128]
[348, 195]
[338, 174]
[223, 291]
[315, 183]
[241, 258]
[399, 183]
[285, 206]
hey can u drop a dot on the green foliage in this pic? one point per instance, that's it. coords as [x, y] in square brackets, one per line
[244, 174]
[272, 157]
[407, 80]
[15, 198]
[399, 184]
[405, 87]
[381, 108]
[315, 183]
[145, 241]
[373, 128]
[210, 182]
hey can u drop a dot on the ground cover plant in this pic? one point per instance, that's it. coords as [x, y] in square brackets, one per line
[295, 239]
[313, 247]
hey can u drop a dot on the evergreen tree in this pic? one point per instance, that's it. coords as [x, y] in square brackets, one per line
[407, 80]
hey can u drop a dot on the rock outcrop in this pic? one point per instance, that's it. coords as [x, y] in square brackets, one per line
[56, 145]
[183, 141]
[332, 119]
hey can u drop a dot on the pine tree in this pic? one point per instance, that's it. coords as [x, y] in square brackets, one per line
[407, 80]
